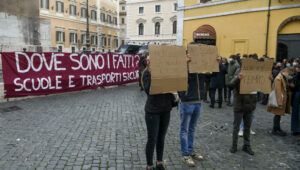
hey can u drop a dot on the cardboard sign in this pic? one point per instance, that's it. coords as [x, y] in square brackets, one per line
[204, 58]
[168, 67]
[256, 76]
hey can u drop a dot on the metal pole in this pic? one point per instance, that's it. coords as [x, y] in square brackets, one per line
[87, 27]
[268, 26]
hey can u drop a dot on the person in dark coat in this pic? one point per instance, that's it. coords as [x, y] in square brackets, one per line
[295, 119]
[244, 106]
[157, 117]
[142, 66]
[217, 82]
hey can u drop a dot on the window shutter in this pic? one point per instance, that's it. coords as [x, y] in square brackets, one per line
[96, 40]
[76, 40]
[42, 3]
[75, 10]
[63, 36]
[47, 4]
[70, 9]
[57, 34]
[56, 6]
[70, 37]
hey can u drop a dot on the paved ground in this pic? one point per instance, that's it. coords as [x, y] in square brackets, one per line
[105, 129]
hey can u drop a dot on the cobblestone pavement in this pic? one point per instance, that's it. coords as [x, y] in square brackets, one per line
[105, 129]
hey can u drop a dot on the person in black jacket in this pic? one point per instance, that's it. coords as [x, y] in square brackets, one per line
[217, 82]
[157, 117]
[295, 119]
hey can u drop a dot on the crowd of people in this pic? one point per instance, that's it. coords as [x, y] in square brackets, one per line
[285, 80]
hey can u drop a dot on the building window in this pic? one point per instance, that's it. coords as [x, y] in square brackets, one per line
[60, 36]
[141, 10]
[73, 10]
[123, 8]
[102, 17]
[175, 6]
[83, 12]
[73, 38]
[157, 8]
[108, 41]
[175, 27]
[104, 41]
[123, 42]
[94, 40]
[73, 49]
[60, 48]
[123, 20]
[109, 19]
[45, 4]
[141, 29]
[116, 42]
[115, 21]
[157, 28]
[94, 15]
[83, 38]
[59, 7]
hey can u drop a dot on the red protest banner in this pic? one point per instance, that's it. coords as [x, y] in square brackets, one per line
[28, 74]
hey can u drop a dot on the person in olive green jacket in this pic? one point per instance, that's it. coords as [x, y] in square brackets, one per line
[244, 105]
[233, 65]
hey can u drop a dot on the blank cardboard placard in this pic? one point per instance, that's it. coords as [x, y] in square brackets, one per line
[203, 58]
[256, 76]
[168, 69]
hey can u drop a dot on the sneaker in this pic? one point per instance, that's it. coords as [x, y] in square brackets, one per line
[248, 150]
[197, 156]
[252, 132]
[241, 133]
[189, 161]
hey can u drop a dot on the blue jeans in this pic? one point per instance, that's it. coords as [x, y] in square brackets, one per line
[189, 115]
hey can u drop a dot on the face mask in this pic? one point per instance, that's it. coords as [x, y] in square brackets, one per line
[295, 63]
[288, 65]
[230, 60]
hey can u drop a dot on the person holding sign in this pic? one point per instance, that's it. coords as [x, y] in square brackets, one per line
[244, 105]
[157, 108]
[190, 105]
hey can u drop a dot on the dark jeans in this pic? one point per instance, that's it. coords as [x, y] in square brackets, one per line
[157, 126]
[295, 118]
[247, 118]
[229, 90]
[276, 122]
[212, 95]
[225, 93]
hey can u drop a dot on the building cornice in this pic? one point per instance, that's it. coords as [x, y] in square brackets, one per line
[148, 1]
[76, 21]
[201, 5]
[242, 11]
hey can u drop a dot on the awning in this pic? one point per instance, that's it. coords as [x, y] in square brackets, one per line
[205, 32]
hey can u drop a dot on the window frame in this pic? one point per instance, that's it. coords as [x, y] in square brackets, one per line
[157, 10]
[141, 10]
[157, 28]
[57, 7]
[141, 29]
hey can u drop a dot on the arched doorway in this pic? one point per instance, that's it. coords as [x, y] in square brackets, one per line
[288, 39]
[205, 34]
[282, 51]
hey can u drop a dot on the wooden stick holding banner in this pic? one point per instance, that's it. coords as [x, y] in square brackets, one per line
[256, 76]
[168, 69]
